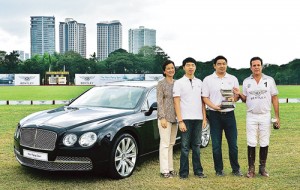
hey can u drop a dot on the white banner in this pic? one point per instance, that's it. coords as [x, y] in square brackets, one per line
[61, 101]
[156, 77]
[7, 79]
[97, 79]
[86, 79]
[104, 78]
[27, 79]
[3, 102]
[19, 102]
[42, 102]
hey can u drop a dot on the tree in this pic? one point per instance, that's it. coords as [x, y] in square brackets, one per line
[74, 63]
[153, 58]
[120, 62]
[10, 63]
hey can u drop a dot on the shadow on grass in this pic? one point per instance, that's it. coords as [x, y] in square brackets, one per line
[62, 175]
[68, 176]
[88, 176]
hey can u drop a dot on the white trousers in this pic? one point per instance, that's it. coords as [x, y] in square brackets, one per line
[258, 128]
[167, 141]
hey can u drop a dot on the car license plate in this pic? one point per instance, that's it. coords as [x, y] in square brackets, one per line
[35, 155]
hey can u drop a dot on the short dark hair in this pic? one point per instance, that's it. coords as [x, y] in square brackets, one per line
[219, 57]
[254, 59]
[187, 60]
[167, 62]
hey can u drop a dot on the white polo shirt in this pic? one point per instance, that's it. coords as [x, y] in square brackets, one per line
[190, 97]
[212, 85]
[259, 95]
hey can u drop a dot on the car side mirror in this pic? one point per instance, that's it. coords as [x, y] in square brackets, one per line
[70, 101]
[151, 109]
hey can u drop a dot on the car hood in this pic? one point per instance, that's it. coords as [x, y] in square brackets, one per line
[66, 117]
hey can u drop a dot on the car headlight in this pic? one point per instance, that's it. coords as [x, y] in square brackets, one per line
[70, 140]
[17, 132]
[87, 139]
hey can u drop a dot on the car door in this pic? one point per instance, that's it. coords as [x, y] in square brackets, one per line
[149, 129]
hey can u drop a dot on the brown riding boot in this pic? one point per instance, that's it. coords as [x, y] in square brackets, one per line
[263, 153]
[251, 161]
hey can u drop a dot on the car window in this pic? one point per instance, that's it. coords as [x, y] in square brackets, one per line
[119, 97]
[151, 98]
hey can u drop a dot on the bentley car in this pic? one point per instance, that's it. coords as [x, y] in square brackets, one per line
[106, 129]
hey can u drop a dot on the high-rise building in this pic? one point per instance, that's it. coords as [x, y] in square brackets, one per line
[72, 37]
[141, 37]
[27, 56]
[109, 38]
[22, 55]
[42, 35]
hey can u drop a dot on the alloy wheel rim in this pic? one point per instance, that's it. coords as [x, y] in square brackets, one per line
[205, 136]
[125, 156]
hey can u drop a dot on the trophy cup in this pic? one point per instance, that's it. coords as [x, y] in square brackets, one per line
[228, 101]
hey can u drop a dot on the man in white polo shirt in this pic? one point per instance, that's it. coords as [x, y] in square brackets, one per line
[191, 116]
[222, 119]
[259, 93]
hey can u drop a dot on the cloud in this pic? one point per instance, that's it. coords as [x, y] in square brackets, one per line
[201, 29]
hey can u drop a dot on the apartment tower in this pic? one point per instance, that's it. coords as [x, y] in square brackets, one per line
[109, 38]
[141, 37]
[72, 37]
[42, 35]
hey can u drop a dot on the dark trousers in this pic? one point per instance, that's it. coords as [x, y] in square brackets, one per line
[218, 122]
[191, 139]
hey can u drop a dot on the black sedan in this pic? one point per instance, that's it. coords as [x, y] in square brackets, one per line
[106, 128]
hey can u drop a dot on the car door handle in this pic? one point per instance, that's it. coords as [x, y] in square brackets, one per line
[139, 124]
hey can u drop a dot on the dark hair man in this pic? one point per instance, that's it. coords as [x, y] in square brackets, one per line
[222, 119]
[191, 116]
[259, 93]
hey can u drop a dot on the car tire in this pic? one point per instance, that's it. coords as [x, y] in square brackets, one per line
[205, 137]
[123, 156]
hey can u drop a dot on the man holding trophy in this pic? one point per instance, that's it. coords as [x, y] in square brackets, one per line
[219, 94]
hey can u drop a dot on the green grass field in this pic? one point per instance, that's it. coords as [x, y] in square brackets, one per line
[41, 92]
[283, 159]
[69, 92]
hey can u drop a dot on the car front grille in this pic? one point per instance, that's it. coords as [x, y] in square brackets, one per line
[38, 138]
[61, 163]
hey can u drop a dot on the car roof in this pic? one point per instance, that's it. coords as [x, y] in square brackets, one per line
[145, 84]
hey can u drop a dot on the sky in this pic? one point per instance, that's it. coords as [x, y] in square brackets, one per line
[202, 29]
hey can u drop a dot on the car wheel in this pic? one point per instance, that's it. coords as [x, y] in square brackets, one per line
[205, 138]
[123, 156]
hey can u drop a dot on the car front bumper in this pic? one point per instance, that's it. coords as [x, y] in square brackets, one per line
[61, 163]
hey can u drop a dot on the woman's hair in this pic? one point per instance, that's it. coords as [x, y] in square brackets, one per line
[167, 62]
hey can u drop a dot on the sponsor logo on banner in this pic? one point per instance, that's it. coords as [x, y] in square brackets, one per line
[27, 79]
[86, 79]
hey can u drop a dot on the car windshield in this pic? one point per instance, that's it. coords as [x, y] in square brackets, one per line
[119, 97]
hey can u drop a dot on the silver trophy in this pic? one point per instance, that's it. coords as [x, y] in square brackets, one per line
[228, 101]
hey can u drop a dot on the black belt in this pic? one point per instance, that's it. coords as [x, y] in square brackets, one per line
[222, 113]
